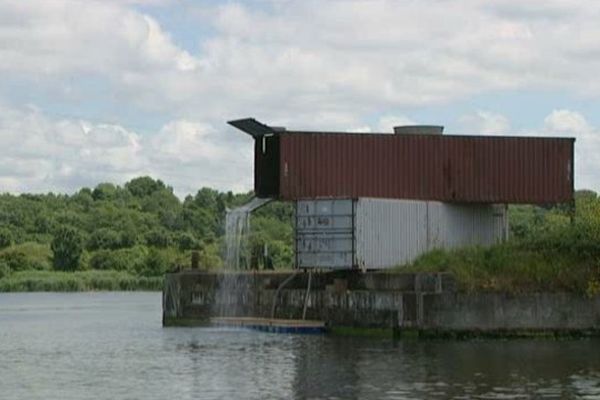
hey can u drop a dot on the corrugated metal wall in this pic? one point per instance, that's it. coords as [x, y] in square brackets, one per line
[452, 225]
[390, 232]
[325, 233]
[386, 233]
[471, 169]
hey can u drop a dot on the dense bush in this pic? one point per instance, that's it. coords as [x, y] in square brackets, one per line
[158, 238]
[131, 259]
[140, 229]
[26, 256]
[143, 213]
[4, 269]
[210, 256]
[158, 262]
[550, 249]
[6, 238]
[104, 238]
[187, 241]
[67, 247]
[144, 186]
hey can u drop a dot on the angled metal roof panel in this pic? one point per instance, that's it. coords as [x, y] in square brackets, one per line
[252, 127]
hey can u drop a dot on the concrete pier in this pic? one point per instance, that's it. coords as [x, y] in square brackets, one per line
[428, 304]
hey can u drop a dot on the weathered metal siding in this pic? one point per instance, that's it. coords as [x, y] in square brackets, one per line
[396, 232]
[390, 232]
[453, 225]
[382, 233]
[325, 233]
[470, 169]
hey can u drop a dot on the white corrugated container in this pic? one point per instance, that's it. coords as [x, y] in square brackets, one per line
[377, 233]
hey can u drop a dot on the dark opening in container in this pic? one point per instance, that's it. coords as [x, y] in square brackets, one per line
[266, 169]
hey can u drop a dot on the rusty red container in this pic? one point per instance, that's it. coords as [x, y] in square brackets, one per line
[292, 165]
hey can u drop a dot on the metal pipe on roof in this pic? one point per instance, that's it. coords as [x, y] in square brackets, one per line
[419, 130]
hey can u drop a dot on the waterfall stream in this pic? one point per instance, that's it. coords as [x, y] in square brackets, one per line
[237, 228]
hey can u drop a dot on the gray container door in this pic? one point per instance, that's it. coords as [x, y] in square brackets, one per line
[325, 233]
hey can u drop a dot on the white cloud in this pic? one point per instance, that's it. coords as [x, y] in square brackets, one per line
[52, 46]
[485, 122]
[191, 154]
[49, 154]
[185, 141]
[567, 121]
[384, 124]
[42, 154]
[388, 122]
[370, 55]
[587, 144]
[359, 129]
[57, 37]
[353, 58]
[306, 65]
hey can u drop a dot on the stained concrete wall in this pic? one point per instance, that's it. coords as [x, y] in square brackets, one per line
[373, 300]
[501, 311]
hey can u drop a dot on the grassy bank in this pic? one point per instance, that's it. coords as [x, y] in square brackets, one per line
[511, 268]
[554, 249]
[53, 281]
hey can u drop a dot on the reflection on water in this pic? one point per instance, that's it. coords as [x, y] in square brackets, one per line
[111, 346]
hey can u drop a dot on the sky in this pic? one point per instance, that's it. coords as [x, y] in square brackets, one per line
[104, 91]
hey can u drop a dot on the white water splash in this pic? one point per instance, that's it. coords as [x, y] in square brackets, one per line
[230, 286]
[237, 227]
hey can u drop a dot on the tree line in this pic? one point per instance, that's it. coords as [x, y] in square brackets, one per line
[141, 230]
[140, 227]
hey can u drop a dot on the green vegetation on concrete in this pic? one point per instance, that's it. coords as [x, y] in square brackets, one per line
[550, 249]
[361, 332]
[184, 322]
[546, 334]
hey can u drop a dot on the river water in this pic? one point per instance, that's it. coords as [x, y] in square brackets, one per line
[112, 346]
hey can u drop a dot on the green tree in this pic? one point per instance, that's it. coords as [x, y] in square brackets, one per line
[104, 191]
[4, 269]
[104, 238]
[6, 238]
[186, 241]
[67, 247]
[158, 238]
[157, 263]
[144, 186]
[132, 259]
[206, 198]
[26, 256]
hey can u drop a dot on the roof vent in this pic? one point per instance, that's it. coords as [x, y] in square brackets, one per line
[418, 130]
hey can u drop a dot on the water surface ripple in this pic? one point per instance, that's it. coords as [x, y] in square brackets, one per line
[112, 346]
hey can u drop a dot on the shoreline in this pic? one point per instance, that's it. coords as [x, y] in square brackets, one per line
[77, 281]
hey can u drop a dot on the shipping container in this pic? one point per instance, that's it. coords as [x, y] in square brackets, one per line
[370, 233]
[293, 165]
